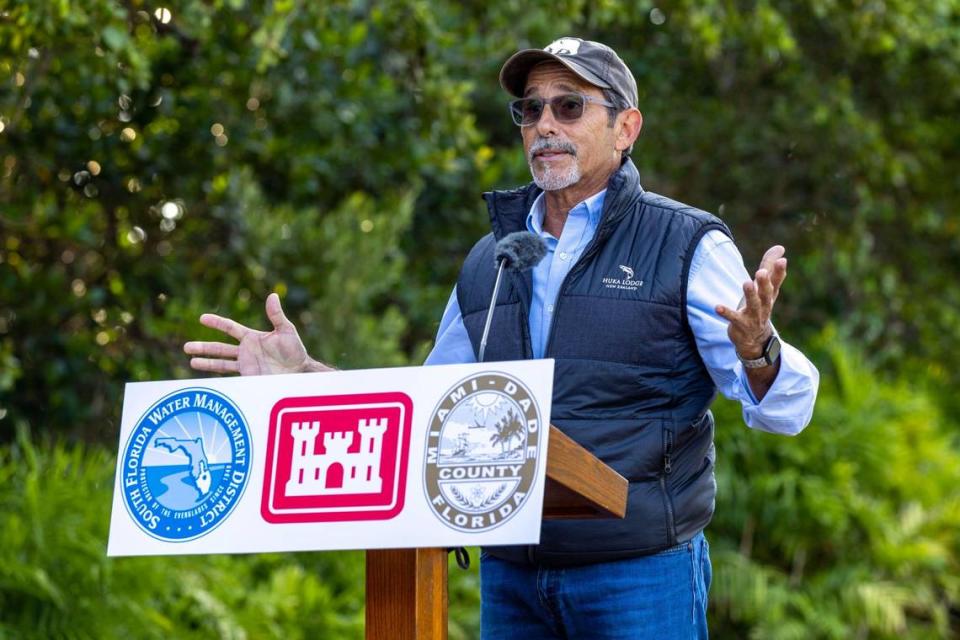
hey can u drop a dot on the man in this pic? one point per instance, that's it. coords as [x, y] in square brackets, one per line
[638, 300]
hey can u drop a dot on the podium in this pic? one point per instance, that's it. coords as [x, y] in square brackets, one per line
[331, 461]
[406, 589]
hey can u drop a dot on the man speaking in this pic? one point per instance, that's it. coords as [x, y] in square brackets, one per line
[646, 307]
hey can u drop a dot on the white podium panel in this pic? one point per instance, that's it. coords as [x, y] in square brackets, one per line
[440, 456]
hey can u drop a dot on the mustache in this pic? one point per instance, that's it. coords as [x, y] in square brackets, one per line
[544, 144]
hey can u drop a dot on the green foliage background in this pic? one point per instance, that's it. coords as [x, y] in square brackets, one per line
[157, 165]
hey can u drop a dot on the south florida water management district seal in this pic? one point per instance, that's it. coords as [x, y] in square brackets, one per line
[186, 464]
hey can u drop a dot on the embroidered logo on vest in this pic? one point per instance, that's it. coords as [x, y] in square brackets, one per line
[626, 284]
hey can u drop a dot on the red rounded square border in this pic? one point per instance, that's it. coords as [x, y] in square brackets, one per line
[345, 515]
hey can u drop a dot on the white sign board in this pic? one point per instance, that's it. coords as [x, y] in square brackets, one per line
[437, 456]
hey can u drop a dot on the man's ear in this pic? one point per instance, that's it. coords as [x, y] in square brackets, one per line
[629, 123]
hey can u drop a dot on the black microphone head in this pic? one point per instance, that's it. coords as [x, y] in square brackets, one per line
[521, 250]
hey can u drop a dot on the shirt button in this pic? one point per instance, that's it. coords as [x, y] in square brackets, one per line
[550, 308]
[564, 255]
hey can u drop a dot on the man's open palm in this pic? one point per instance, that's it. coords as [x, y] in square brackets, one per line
[750, 326]
[258, 352]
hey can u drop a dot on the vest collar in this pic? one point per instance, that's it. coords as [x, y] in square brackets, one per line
[508, 209]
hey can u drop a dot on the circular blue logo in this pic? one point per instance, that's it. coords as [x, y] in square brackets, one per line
[186, 464]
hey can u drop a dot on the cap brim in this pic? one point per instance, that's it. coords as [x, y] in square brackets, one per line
[513, 74]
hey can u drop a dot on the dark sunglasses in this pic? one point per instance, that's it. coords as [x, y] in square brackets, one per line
[566, 108]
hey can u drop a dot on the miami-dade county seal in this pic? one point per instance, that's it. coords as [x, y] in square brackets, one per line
[482, 451]
[186, 464]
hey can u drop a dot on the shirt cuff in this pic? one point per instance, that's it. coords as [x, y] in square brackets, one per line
[788, 405]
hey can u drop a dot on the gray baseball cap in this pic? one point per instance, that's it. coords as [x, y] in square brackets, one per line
[595, 62]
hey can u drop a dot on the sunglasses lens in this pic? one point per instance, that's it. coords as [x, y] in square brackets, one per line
[567, 108]
[528, 110]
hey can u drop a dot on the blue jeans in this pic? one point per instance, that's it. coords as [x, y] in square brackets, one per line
[658, 597]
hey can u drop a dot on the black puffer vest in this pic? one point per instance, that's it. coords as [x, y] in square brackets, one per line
[629, 384]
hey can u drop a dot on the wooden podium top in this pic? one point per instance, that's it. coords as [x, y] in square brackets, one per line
[579, 485]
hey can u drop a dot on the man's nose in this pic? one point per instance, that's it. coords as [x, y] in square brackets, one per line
[547, 124]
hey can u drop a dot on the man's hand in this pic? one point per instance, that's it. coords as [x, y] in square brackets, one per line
[259, 352]
[750, 326]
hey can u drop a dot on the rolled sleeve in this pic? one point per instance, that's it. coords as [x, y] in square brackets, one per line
[716, 277]
[788, 405]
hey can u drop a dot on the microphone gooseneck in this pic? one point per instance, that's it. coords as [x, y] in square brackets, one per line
[518, 251]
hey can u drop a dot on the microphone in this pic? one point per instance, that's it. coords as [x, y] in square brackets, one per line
[517, 251]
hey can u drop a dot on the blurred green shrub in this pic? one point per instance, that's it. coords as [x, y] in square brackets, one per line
[848, 530]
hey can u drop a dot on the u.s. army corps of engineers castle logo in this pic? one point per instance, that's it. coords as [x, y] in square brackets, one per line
[482, 452]
[186, 464]
[337, 458]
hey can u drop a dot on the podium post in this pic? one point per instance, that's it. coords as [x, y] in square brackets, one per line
[407, 588]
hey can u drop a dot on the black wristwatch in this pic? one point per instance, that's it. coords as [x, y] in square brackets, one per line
[771, 353]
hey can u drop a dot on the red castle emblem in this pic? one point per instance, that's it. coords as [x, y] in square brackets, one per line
[337, 458]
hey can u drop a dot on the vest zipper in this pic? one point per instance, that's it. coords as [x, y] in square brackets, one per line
[590, 251]
[667, 451]
[667, 501]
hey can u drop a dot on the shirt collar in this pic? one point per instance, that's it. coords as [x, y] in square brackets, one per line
[592, 208]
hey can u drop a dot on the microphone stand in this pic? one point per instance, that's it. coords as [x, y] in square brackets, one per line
[493, 305]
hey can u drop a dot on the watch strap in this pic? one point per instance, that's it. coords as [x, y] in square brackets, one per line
[766, 359]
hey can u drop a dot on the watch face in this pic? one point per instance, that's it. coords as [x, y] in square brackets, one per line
[772, 350]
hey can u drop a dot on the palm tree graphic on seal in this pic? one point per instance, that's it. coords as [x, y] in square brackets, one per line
[508, 428]
[627, 270]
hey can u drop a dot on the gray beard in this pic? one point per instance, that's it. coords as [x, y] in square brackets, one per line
[551, 178]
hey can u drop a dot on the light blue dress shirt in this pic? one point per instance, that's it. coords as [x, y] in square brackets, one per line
[716, 277]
